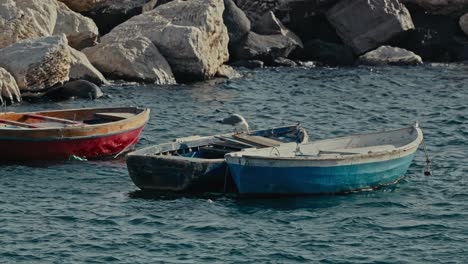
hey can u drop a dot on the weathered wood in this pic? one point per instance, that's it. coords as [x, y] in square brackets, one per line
[257, 140]
[114, 116]
[54, 119]
[18, 124]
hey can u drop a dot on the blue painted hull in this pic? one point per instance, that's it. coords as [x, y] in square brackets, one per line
[289, 180]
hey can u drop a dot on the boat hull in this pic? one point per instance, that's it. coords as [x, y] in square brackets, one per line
[261, 178]
[86, 133]
[178, 175]
[172, 173]
[95, 146]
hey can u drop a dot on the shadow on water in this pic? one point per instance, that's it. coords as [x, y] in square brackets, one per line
[152, 195]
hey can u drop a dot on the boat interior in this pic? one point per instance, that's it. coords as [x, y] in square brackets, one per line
[352, 145]
[65, 118]
[216, 147]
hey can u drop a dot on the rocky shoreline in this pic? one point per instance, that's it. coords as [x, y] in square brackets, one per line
[45, 44]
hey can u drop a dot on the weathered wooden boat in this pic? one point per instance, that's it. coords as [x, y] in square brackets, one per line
[57, 135]
[196, 164]
[330, 166]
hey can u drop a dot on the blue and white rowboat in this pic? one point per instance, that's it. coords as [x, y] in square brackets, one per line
[339, 165]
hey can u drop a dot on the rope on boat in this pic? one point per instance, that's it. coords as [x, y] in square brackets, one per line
[427, 170]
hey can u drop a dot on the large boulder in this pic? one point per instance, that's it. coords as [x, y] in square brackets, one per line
[254, 9]
[9, 90]
[37, 63]
[81, 31]
[237, 23]
[441, 7]
[378, 22]
[132, 60]
[264, 47]
[387, 55]
[269, 24]
[82, 69]
[24, 19]
[82, 5]
[435, 37]
[328, 53]
[108, 14]
[463, 22]
[191, 36]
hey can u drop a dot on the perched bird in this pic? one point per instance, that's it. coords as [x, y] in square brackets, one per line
[237, 121]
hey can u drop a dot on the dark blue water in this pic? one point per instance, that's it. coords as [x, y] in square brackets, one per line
[90, 212]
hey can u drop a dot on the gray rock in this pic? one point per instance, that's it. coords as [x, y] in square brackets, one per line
[378, 22]
[386, 55]
[268, 24]
[132, 60]
[254, 9]
[82, 69]
[283, 62]
[75, 89]
[24, 19]
[9, 90]
[227, 72]
[441, 7]
[265, 48]
[436, 38]
[81, 31]
[249, 64]
[191, 36]
[108, 14]
[37, 63]
[237, 23]
[331, 54]
[464, 23]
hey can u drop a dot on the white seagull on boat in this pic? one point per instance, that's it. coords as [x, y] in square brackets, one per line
[237, 121]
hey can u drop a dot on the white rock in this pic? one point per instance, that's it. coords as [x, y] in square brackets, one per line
[8, 87]
[191, 36]
[81, 31]
[387, 55]
[226, 71]
[131, 59]
[37, 63]
[82, 69]
[23, 19]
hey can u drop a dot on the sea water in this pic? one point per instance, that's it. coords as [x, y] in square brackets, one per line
[90, 211]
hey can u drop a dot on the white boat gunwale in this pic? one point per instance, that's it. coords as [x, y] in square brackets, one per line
[407, 149]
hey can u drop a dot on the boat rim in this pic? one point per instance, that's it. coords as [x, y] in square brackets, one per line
[410, 146]
[140, 152]
[145, 110]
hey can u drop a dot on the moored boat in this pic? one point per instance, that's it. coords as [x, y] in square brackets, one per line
[196, 164]
[339, 165]
[57, 135]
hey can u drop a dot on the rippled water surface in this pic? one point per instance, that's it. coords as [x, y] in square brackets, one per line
[76, 212]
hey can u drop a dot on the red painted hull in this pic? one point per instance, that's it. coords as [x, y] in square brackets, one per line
[62, 148]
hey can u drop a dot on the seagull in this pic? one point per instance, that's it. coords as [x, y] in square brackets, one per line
[237, 121]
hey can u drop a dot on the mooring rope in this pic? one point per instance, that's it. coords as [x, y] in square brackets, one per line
[427, 170]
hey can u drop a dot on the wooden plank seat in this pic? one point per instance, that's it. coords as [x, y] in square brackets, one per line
[115, 116]
[53, 119]
[257, 141]
[18, 124]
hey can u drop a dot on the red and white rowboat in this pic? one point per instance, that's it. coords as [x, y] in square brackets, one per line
[57, 135]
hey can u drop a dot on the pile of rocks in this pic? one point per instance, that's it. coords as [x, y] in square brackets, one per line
[46, 43]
